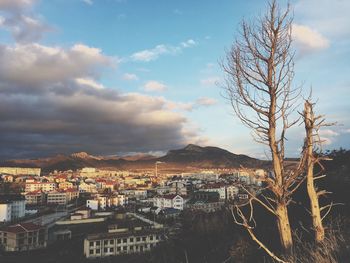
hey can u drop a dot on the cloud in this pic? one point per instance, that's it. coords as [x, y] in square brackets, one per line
[88, 2]
[23, 26]
[204, 101]
[328, 136]
[130, 76]
[153, 85]
[188, 43]
[307, 39]
[51, 102]
[89, 82]
[330, 17]
[190, 106]
[15, 5]
[148, 55]
[211, 81]
[34, 65]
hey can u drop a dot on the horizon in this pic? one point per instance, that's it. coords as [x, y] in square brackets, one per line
[115, 77]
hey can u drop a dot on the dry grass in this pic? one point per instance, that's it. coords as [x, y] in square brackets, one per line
[333, 249]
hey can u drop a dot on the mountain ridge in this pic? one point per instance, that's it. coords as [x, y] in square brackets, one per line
[190, 156]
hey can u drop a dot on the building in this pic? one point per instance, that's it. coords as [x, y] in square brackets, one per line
[35, 198]
[43, 186]
[62, 197]
[5, 212]
[124, 238]
[20, 171]
[177, 187]
[11, 207]
[169, 201]
[23, 237]
[205, 201]
[216, 187]
[106, 201]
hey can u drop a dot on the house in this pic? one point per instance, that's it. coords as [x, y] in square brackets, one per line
[23, 237]
[169, 201]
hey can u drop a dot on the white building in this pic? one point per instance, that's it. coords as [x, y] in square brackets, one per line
[11, 207]
[43, 186]
[5, 212]
[106, 201]
[169, 201]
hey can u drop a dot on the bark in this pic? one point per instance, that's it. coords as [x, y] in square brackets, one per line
[314, 202]
[284, 226]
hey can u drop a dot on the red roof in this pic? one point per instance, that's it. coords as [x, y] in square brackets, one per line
[23, 227]
[34, 192]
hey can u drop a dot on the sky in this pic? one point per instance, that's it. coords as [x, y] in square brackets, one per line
[128, 76]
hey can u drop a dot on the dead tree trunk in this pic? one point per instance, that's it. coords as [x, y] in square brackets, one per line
[309, 120]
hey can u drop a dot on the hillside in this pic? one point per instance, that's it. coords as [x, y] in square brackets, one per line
[191, 156]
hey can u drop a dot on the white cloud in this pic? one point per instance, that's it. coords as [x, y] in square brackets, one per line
[130, 76]
[188, 43]
[153, 54]
[211, 81]
[308, 39]
[15, 5]
[330, 17]
[88, 2]
[204, 101]
[18, 20]
[34, 64]
[89, 82]
[153, 85]
[148, 55]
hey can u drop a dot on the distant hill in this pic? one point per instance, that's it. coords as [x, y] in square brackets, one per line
[191, 156]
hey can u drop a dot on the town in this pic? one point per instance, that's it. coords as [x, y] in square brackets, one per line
[111, 212]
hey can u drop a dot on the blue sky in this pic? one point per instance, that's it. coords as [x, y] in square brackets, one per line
[120, 76]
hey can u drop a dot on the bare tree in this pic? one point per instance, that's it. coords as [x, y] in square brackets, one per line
[259, 73]
[313, 149]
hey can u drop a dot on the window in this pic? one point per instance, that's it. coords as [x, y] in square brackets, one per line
[98, 251]
[131, 247]
[111, 241]
[91, 251]
[143, 238]
[105, 242]
[125, 240]
[105, 250]
[119, 240]
[131, 239]
[98, 243]
[124, 248]
[138, 239]
[151, 238]
[111, 249]
[119, 248]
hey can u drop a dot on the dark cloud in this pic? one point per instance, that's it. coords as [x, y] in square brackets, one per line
[51, 102]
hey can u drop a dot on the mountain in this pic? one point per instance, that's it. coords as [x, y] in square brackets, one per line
[209, 157]
[190, 157]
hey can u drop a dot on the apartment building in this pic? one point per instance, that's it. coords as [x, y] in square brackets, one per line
[43, 186]
[12, 207]
[62, 197]
[121, 241]
[35, 198]
[23, 237]
[106, 201]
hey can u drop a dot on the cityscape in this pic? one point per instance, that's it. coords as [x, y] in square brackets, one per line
[180, 131]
